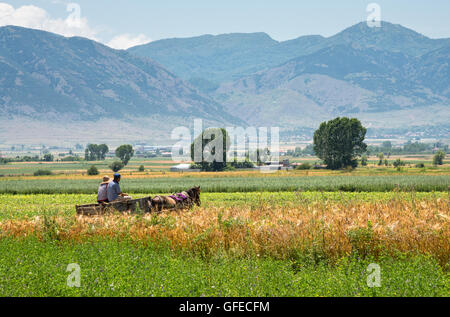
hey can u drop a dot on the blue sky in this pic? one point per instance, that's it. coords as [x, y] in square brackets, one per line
[145, 20]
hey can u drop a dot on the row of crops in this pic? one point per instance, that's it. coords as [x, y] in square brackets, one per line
[419, 183]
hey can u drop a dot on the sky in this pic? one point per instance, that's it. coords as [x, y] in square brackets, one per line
[125, 23]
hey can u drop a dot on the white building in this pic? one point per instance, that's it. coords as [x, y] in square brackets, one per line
[181, 168]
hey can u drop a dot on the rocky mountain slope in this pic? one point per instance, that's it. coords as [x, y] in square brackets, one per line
[46, 76]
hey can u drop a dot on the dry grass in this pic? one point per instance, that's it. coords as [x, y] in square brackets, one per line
[322, 229]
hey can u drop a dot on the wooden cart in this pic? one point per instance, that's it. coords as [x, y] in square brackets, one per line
[129, 206]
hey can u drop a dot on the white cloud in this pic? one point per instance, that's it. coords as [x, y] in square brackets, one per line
[30, 16]
[125, 41]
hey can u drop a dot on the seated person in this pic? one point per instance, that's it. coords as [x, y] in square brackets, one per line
[102, 195]
[114, 191]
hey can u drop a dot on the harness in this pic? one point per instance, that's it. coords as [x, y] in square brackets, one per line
[179, 197]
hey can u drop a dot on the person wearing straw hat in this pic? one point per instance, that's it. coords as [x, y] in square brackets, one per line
[102, 195]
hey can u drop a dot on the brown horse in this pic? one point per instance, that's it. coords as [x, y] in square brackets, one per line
[181, 200]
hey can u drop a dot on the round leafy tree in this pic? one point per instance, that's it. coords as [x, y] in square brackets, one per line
[438, 158]
[125, 153]
[210, 149]
[339, 142]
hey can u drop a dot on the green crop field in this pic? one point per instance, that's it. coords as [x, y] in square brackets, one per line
[281, 234]
[420, 183]
[122, 268]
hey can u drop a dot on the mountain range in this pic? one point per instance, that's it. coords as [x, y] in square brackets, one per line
[390, 77]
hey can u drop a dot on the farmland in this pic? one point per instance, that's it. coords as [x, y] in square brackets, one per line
[123, 268]
[233, 183]
[288, 233]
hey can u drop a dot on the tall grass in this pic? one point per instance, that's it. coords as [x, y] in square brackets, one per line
[321, 230]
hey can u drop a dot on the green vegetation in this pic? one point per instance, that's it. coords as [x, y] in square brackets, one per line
[381, 157]
[423, 183]
[304, 166]
[48, 157]
[398, 163]
[123, 268]
[298, 152]
[125, 153]
[93, 171]
[339, 142]
[409, 148]
[71, 159]
[438, 158]
[210, 141]
[29, 206]
[96, 152]
[364, 160]
[43, 173]
[116, 166]
[177, 254]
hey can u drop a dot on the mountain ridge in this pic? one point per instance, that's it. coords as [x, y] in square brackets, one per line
[211, 64]
[251, 79]
[85, 80]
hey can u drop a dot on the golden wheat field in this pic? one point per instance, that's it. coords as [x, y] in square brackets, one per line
[331, 229]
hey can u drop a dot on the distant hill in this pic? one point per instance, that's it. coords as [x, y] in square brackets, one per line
[229, 57]
[389, 76]
[47, 76]
[53, 87]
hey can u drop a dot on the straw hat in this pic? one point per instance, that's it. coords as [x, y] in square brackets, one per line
[106, 179]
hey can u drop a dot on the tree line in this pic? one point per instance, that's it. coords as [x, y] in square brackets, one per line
[339, 143]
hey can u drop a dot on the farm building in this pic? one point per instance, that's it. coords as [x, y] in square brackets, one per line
[180, 168]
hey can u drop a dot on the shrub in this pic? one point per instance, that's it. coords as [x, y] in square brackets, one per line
[242, 164]
[229, 168]
[361, 240]
[304, 166]
[48, 157]
[92, 170]
[116, 166]
[141, 168]
[4, 160]
[438, 158]
[71, 159]
[364, 160]
[398, 163]
[420, 165]
[42, 173]
[381, 157]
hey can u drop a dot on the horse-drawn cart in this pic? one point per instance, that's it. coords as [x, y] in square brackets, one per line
[129, 206]
[183, 200]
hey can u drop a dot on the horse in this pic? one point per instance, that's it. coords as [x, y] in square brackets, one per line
[181, 200]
